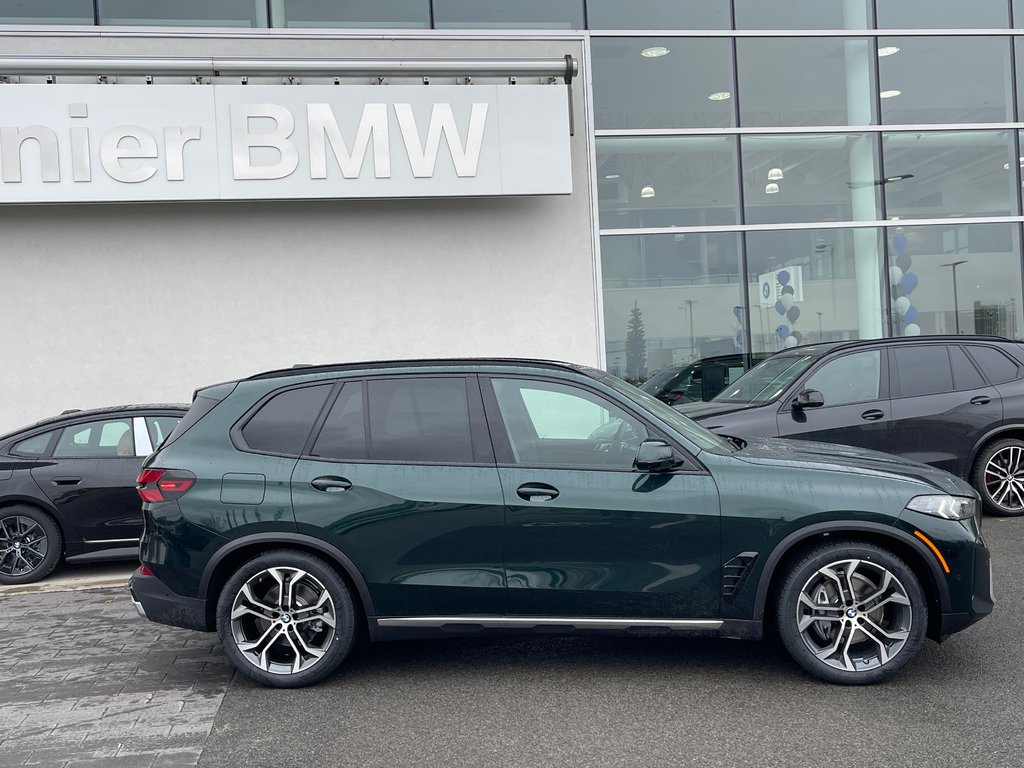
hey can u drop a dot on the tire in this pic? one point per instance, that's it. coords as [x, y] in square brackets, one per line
[814, 621]
[30, 544]
[999, 477]
[289, 642]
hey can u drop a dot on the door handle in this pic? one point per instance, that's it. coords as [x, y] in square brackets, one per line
[66, 480]
[873, 415]
[981, 400]
[537, 492]
[331, 484]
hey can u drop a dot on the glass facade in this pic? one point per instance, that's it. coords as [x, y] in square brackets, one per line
[769, 172]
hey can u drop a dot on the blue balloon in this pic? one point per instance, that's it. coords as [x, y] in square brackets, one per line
[899, 243]
[908, 283]
[783, 331]
[903, 262]
[783, 277]
[910, 315]
[780, 308]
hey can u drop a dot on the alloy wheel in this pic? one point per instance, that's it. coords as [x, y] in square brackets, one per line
[1004, 478]
[23, 545]
[854, 615]
[283, 620]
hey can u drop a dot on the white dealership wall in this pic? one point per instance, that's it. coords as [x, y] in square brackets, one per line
[102, 304]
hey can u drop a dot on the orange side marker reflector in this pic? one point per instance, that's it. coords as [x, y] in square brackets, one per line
[933, 548]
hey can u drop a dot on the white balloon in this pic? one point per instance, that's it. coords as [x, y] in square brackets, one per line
[790, 341]
[895, 275]
[787, 300]
[912, 330]
[902, 304]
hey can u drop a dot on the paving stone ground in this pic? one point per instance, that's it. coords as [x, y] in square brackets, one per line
[84, 681]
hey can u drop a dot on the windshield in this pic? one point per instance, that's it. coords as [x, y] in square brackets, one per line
[703, 438]
[662, 379]
[766, 380]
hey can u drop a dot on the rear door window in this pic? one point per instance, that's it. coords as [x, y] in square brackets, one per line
[161, 427]
[97, 440]
[996, 366]
[420, 420]
[923, 370]
[282, 425]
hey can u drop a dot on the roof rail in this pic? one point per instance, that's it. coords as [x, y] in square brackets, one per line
[416, 363]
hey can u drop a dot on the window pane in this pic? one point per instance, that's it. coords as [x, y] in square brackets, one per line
[953, 279]
[965, 375]
[670, 300]
[802, 14]
[935, 174]
[351, 13]
[810, 178]
[344, 433]
[944, 79]
[160, 427]
[667, 181]
[997, 366]
[185, 13]
[923, 370]
[635, 89]
[34, 446]
[522, 14]
[420, 420]
[282, 425]
[658, 14]
[557, 425]
[849, 379]
[46, 12]
[917, 14]
[805, 81]
[815, 285]
[99, 439]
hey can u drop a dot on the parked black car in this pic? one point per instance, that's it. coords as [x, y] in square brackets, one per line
[698, 380]
[67, 487]
[955, 402]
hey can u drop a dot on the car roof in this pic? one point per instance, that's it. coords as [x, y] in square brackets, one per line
[76, 414]
[824, 347]
[454, 362]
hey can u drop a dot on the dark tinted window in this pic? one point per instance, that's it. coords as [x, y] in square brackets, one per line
[923, 370]
[997, 366]
[284, 422]
[420, 420]
[34, 446]
[965, 375]
[344, 432]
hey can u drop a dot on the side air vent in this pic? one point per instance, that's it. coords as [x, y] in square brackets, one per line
[735, 572]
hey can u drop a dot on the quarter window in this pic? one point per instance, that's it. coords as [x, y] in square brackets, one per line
[97, 440]
[849, 379]
[284, 422]
[420, 420]
[923, 370]
[997, 366]
[34, 446]
[344, 433]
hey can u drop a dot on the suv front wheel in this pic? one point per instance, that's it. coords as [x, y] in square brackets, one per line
[286, 619]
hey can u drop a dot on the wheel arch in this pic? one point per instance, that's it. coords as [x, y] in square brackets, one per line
[1000, 433]
[18, 500]
[229, 557]
[900, 543]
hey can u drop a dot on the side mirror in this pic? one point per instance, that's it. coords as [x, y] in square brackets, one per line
[809, 398]
[655, 456]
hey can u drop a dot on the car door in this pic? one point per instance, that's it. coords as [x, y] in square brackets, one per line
[401, 478]
[942, 405]
[90, 479]
[587, 534]
[857, 410]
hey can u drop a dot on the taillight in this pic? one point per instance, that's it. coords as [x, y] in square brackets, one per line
[163, 484]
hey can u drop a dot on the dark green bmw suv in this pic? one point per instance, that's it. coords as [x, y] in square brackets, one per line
[295, 510]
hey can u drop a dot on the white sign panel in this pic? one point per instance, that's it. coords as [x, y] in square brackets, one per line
[104, 143]
[770, 285]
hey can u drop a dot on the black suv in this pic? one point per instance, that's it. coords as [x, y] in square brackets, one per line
[955, 402]
[294, 510]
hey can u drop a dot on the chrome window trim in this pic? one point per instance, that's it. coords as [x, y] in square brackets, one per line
[111, 541]
[528, 622]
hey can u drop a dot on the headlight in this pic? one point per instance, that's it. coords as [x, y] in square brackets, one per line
[948, 507]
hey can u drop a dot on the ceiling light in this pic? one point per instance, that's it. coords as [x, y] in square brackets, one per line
[771, 189]
[613, 176]
[654, 52]
[647, 191]
[888, 50]
[889, 94]
[720, 96]
[775, 174]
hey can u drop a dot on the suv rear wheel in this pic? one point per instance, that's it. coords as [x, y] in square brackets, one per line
[852, 613]
[999, 477]
[30, 544]
[286, 619]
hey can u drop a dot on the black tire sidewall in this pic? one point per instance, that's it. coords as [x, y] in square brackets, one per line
[978, 477]
[345, 616]
[54, 543]
[805, 567]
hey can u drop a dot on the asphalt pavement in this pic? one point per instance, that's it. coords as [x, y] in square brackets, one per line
[506, 702]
